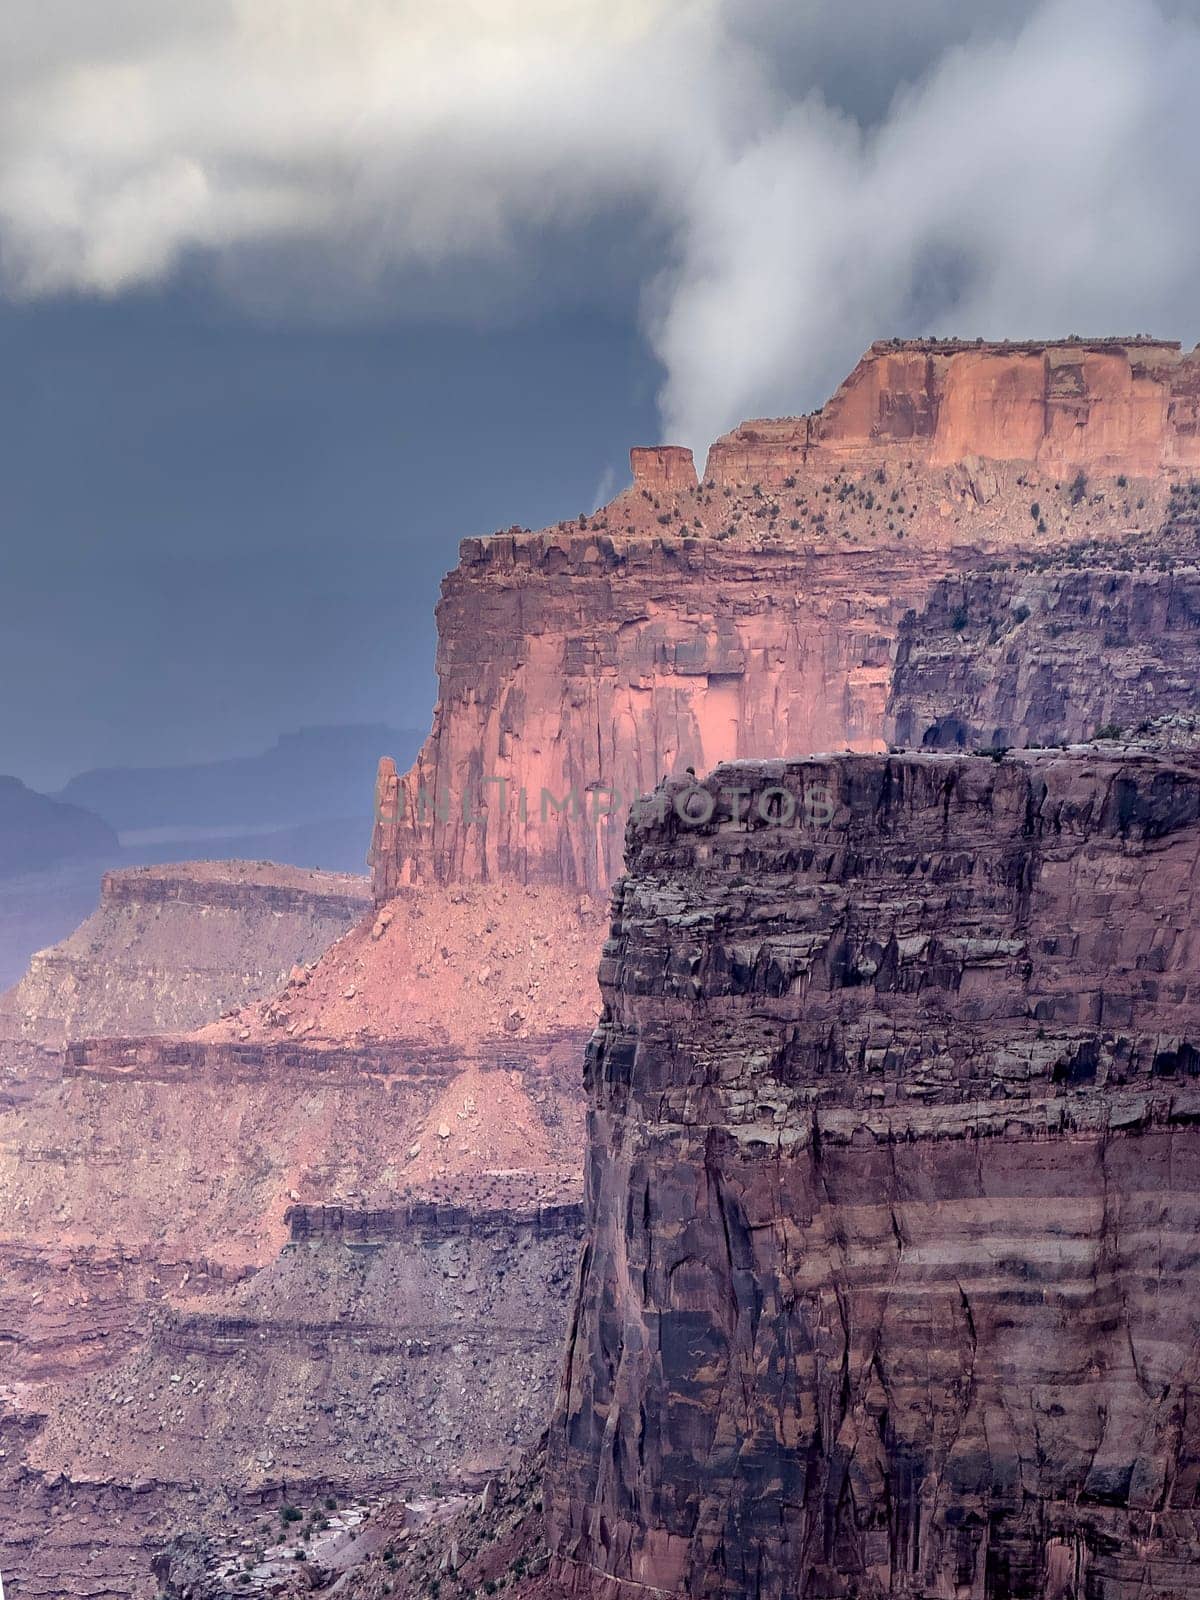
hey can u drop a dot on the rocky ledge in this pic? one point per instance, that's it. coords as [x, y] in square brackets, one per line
[893, 1189]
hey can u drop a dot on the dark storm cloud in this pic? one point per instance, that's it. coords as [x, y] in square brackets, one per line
[857, 58]
[785, 181]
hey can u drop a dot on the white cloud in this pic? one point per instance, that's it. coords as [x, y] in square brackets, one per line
[1037, 173]
[1031, 186]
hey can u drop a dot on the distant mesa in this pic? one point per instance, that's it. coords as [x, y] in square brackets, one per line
[38, 832]
[305, 802]
[172, 947]
[313, 775]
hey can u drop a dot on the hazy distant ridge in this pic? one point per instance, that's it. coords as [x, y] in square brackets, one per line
[311, 775]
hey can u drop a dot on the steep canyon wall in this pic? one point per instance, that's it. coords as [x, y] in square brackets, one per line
[893, 1192]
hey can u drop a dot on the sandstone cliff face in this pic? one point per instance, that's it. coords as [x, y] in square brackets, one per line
[663, 469]
[575, 674]
[893, 1188]
[1108, 405]
[758, 611]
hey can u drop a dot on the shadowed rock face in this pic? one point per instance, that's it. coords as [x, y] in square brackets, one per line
[1029, 657]
[893, 1191]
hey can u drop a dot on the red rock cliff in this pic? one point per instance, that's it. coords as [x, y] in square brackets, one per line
[759, 612]
[1108, 405]
[576, 672]
[892, 1285]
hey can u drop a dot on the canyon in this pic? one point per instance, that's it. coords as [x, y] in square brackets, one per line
[322, 1245]
[223, 1244]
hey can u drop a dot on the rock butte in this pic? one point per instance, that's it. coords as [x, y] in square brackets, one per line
[1108, 405]
[759, 611]
[1112, 406]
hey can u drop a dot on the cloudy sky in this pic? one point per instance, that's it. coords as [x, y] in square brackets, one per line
[295, 293]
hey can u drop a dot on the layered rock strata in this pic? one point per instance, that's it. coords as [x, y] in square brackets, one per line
[382, 1350]
[893, 1190]
[575, 674]
[430, 1059]
[1033, 656]
[1107, 405]
[220, 1246]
